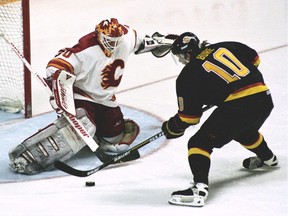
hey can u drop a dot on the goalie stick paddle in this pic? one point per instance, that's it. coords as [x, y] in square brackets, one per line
[76, 124]
[84, 173]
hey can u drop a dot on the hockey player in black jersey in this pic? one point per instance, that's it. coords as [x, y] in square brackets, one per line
[225, 75]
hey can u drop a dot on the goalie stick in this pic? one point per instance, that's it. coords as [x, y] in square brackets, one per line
[76, 124]
[84, 173]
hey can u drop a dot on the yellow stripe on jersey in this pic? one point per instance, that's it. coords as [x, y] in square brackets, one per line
[256, 61]
[198, 151]
[61, 64]
[255, 144]
[246, 91]
[189, 119]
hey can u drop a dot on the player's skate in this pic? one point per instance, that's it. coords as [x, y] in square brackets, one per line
[194, 196]
[256, 162]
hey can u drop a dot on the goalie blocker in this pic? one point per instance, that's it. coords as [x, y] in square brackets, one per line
[61, 85]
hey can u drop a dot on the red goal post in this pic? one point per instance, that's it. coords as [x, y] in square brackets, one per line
[15, 80]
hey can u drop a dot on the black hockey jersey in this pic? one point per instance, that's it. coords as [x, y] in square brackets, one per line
[222, 72]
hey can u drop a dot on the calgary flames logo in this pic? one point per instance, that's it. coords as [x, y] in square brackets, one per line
[108, 74]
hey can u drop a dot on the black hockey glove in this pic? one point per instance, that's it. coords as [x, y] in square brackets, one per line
[174, 128]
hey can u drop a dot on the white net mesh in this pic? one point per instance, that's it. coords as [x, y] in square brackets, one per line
[11, 67]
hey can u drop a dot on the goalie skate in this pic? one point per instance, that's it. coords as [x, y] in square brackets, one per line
[255, 162]
[194, 196]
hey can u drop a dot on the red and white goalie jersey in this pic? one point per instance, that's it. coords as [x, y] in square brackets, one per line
[98, 70]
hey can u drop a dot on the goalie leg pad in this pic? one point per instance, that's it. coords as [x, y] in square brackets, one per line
[58, 141]
[108, 150]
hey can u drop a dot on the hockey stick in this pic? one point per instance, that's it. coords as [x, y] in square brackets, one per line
[84, 173]
[76, 124]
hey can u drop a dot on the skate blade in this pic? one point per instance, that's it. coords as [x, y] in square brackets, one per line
[193, 202]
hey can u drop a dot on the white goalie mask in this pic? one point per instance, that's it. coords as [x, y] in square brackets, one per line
[110, 34]
[110, 43]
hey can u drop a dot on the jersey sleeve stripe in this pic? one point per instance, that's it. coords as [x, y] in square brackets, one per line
[189, 119]
[61, 64]
[256, 61]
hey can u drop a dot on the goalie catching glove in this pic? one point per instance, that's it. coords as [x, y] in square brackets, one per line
[158, 44]
[174, 127]
[165, 42]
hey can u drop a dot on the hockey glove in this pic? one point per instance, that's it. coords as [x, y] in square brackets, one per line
[147, 45]
[62, 100]
[174, 128]
[165, 44]
[164, 39]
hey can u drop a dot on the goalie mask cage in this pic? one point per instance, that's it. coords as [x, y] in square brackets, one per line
[15, 80]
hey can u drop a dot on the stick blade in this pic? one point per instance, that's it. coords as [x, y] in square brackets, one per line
[68, 169]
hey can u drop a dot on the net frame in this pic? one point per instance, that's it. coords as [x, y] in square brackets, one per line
[15, 24]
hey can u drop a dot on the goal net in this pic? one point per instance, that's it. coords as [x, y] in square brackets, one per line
[15, 82]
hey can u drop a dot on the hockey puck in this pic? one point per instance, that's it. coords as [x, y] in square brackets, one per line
[90, 183]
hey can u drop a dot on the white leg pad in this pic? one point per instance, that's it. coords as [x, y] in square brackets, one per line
[58, 141]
